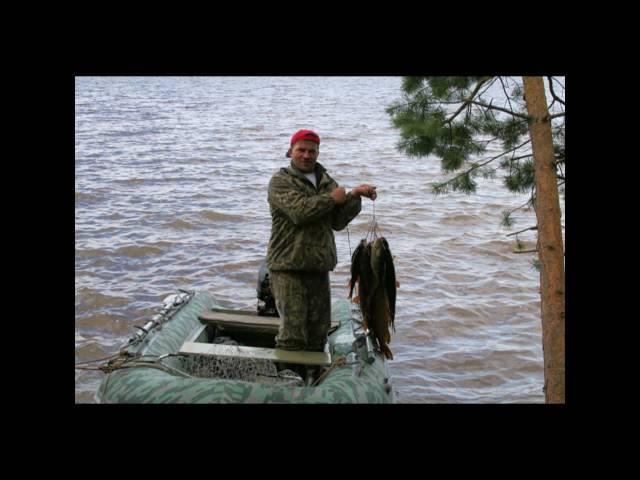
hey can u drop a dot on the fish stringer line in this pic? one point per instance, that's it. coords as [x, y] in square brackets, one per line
[373, 226]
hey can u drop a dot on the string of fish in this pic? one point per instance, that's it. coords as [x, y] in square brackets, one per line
[373, 273]
[372, 234]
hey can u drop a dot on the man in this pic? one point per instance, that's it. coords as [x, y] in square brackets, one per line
[306, 206]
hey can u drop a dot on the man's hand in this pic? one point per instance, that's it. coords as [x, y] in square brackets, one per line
[339, 195]
[365, 190]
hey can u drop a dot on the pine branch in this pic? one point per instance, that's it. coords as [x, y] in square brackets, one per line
[478, 165]
[555, 115]
[553, 94]
[504, 89]
[520, 157]
[521, 206]
[468, 101]
[529, 251]
[535, 227]
[416, 95]
[488, 86]
[487, 142]
[492, 107]
[558, 82]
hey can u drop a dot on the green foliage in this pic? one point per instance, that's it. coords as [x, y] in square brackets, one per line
[517, 94]
[535, 264]
[465, 184]
[447, 88]
[462, 183]
[440, 188]
[433, 120]
[507, 219]
[521, 177]
[559, 154]
[417, 147]
[512, 131]
[412, 84]
[452, 157]
[487, 172]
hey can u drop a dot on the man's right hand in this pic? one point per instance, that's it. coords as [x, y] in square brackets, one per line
[339, 195]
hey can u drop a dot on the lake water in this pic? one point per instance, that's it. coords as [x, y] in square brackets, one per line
[170, 192]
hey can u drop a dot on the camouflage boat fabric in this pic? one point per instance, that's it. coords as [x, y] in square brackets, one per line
[357, 383]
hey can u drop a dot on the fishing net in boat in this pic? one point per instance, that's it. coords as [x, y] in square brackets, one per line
[247, 369]
[230, 368]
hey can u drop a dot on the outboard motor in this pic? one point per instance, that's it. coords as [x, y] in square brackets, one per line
[266, 300]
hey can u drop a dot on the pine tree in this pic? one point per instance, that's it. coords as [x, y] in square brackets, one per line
[455, 119]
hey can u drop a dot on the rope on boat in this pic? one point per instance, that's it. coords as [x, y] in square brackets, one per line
[338, 362]
[110, 357]
[158, 366]
[123, 359]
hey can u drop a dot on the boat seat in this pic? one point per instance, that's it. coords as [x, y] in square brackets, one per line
[246, 321]
[299, 357]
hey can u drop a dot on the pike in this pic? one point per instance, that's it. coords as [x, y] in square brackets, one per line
[373, 270]
[355, 265]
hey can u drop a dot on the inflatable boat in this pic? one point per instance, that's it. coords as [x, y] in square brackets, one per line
[193, 351]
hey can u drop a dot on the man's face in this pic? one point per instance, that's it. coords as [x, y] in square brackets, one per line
[304, 155]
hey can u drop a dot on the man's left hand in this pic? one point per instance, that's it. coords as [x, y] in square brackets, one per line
[365, 190]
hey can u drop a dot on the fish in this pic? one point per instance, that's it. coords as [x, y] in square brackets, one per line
[355, 265]
[391, 283]
[364, 281]
[382, 293]
[373, 272]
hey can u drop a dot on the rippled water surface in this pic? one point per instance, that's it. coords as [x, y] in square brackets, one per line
[171, 178]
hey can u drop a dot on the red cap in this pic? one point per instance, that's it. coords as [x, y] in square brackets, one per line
[305, 135]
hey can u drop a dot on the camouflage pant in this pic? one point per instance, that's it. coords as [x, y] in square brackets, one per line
[303, 300]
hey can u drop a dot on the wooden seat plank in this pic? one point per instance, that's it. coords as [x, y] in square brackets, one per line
[245, 320]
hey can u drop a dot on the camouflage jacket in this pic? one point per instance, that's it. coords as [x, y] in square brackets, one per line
[304, 218]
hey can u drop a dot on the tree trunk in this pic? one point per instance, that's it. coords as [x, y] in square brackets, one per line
[550, 245]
